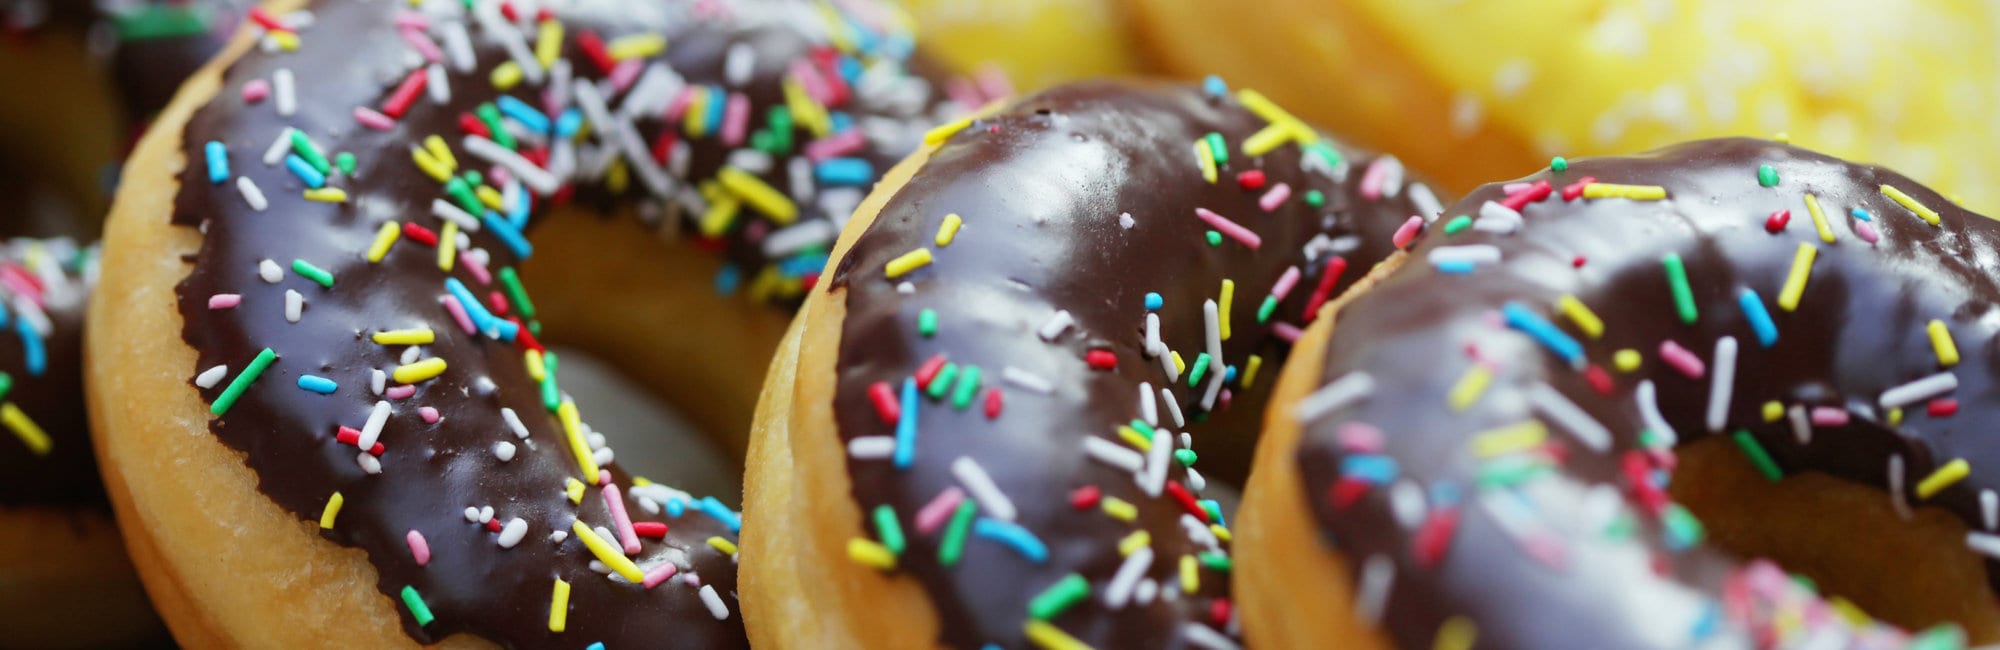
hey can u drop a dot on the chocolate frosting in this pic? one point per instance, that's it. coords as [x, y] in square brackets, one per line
[1452, 517]
[1083, 199]
[437, 464]
[44, 285]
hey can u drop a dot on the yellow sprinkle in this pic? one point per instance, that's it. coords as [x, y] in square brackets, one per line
[430, 165]
[286, 41]
[327, 195]
[641, 481]
[1049, 637]
[332, 511]
[1950, 473]
[1783, 137]
[1850, 611]
[1137, 540]
[1204, 159]
[1264, 107]
[943, 132]
[1773, 411]
[1509, 439]
[1180, 366]
[384, 238]
[618, 176]
[1896, 416]
[505, 76]
[718, 543]
[1222, 306]
[1627, 359]
[559, 604]
[1795, 282]
[870, 554]
[1250, 370]
[442, 152]
[608, 554]
[448, 246]
[1469, 387]
[636, 46]
[759, 195]
[695, 119]
[907, 262]
[948, 230]
[720, 216]
[1581, 314]
[1190, 575]
[1616, 191]
[548, 42]
[1457, 633]
[1134, 438]
[808, 112]
[491, 198]
[1220, 532]
[574, 490]
[1120, 509]
[1819, 218]
[420, 371]
[537, 370]
[578, 446]
[1266, 140]
[25, 428]
[1947, 351]
[1930, 216]
[418, 336]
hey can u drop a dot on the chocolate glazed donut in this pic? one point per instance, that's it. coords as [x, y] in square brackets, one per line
[988, 397]
[357, 335]
[1577, 422]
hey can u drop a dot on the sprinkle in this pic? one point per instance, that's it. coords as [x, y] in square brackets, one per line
[1929, 216]
[1535, 326]
[1333, 396]
[1229, 228]
[371, 431]
[1758, 456]
[1722, 383]
[1944, 477]
[1469, 387]
[870, 554]
[1055, 325]
[1760, 319]
[1514, 438]
[1819, 219]
[907, 262]
[295, 305]
[308, 271]
[318, 384]
[1558, 164]
[1581, 315]
[218, 162]
[420, 371]
[415, 602]
[906, 426]
[938, 135]
[559, 607]
[210, 377]
[607, 553]
[1919, 390]
[1059, 597]
[252, 195]
[1649, 411]
[1223, 304]
[578, 446]
[24, 427]
[332, 511]
[1632, 192]
[1896, 498]
[759, 195]
[1407, 232]
[1795, 281]
[417, 336]
[1947, 351]
[1775, 223]
[1378, 572]
[980, 485]
[1049, 637]
[1677, 280]
[952, 546]
[1767, 176]
[1013, 536]
[283, 87]
[242, 382]
[1681, 359]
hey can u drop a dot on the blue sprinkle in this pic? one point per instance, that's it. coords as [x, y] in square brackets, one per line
[1228, 374]
[218, 162]
[318, 384]
[1521, 318]
[527, 115]
[799, 266]
[517, 213]
[676, 507]
[1373, 468]
[850, 67]
[1153, 301]
[1214, 86]
[1445, 494]
[595, 646]
[31, 343]
[504, 229]
[1014, 537]
[839, 121]
[304, 170]
[1861, 214]
[728, 279]
[1456, 267]
[906, 426]
[722, 513]
[1709, 623]
[1760, 319]
[718, 98]
[482, 320]
[1214, 509]
[504, 330]
[844, 171]
[569, 123]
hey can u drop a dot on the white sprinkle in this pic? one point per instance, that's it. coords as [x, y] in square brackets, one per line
[1125, 220]
[1801, 425]
[372, 431]
[1119, 590]
[738, 64]
[1919, 390]
[1211, 318]
[1492, 211]
[472, 514]
[212, 376]
[1989, 508]
[906, 288]
[714, 603]
[1984, 543]
[503, 450]
[1149, 408]
[1206, 637]
[655, 88]
[1214, 385]
[457, 46]
[871, 447]
[640, 157]
[1562, 411]
[981, 487]
[1173, 406]
[1199, 533]
[1113, 454]
[252, 194]
[1426, 201]
[295, 306]
[1194, 480]
[1392, 175]
[1377, 572]
[1406, 501]
[783, 242]
[1721, 383]
[800, 172]
[369, 463]
[1027, 381]
[1157, 458]
[1473, 253]
[530, 174]
[1896, 497]
[448, 211]
[1341, 392]
[437, 84]
[1154, 346]
[275, 153]
[559, 536]
[514, 422]
[603, 456]
[270, 272]
[1147, 589]
[496, 26]
[1168, 366]
[283, 92]
[1649, 412]
[512, 533]
[1057, 323]
[412, 354]
[378, 380]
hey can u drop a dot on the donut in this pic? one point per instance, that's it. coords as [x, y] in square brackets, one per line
[1035, 43]
[323, 406]
[975, 431]
[1603, 405]
[1476, 92]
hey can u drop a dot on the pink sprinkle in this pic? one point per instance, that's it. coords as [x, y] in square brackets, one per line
[603, 476]
[1408, 231]
[400, 392]
[1681, 359]
[933, 514]
[422, 44]
[659, 574]
[621, 521]
[1287, 332]
[256, 90]
[429, 414]
[1828, 416]
[993, 81]
[681, 102]
[498, 301]
[809, 78]
[1515, 187]
[368, 117]
[473, 266]
[1373, 179]
[626, 72]
[836, 145]
[458, 314]
[1229, 228]
[1359, 437]
[501, 177]
[1285, 283]
[963, 91]
[412, 20]
[1275, 197]
[419, 548]
[1546, 549]
[692, 579]
[1866, 231]
[735, 119]
[225, 301]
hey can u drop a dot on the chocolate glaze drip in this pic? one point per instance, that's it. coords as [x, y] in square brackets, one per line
[1041, 187]
[353, 56]
[51, 395]
[1858, 331]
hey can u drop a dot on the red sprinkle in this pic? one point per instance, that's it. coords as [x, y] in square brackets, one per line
[1434, 536]
[884, 399]
[350, 436]
[1639, 474]
[507, 9]
[1574, 190]
[525, 337]
[267, 21]
[1251, 179]
[1599, 379]
[405, 94]
[1218, 612]
[1578, 262]
[993, 403]
[423, 235]
[1943, 407]
[493, 524]
[1540, 190]
[1327, 278]
[930, 369]
[1101, 359]
[1085, 498]
[1181, 495]
[472, 126]
[650, 529]
[1346, 491]
[1776, 222]
[593, 49]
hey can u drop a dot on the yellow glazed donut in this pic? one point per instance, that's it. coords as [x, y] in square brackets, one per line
[1036, 43]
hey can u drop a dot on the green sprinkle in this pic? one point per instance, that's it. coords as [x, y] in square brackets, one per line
[927, 322]
[473, 178]
[314, 273]
[942, 381]
[1198, 368]
[1141, 427]
[516, 293]
[151, 21]
[551, 396]
[1215, 561]
[952, 546]
[1214, 238]
[1622, 527]
[762, 140]
[6, 384]
[1315, 198]
[1457, 223]
[418, 609]
[1059, 597]
[490, 114]
[461, 192]
[1510, 471]
[1558, 164]
[887, 528]
[781, 128]
[242, 382]
[346, 162]
[1651, 439]
[1185, 456]
[1767, 176]
[1683, 529]
[1943, 636]
[1326, 154]
[1217, 149]
[967, 388]
[1758, 456]
[1805, 581]
[1677, 279]
[1265, 310]
[535, 327]
[310, 152]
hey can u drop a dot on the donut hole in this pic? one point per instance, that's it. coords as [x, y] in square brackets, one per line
[1844, 536]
